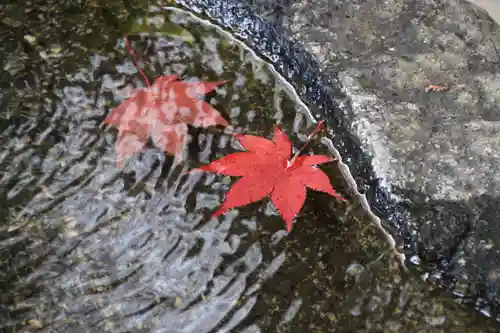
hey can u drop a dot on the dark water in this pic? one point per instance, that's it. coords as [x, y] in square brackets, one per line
[88, 247]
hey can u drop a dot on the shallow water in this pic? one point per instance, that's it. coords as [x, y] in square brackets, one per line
[88, 247]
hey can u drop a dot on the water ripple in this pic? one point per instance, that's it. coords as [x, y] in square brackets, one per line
[89, 247]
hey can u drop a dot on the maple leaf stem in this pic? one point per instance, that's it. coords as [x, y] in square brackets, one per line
[136, 62]
[227, 130]
[318, 128]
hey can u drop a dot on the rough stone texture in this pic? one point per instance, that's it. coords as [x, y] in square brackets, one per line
[386, 53]
[492, 6]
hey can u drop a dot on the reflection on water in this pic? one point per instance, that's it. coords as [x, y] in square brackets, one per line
[87, 247]
[98, 248]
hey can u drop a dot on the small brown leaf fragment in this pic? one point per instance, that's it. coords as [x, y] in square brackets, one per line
[435, 87]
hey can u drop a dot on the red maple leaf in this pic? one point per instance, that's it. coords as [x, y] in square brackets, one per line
[266, 170]
[163, 112]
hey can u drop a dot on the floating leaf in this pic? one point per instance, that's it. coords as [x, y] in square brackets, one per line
[267, 171]
[176, 31]
[160, 26]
